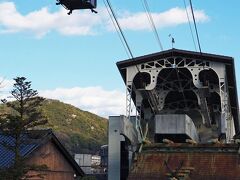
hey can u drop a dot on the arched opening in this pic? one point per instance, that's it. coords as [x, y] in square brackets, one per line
[174, 78]
[141, 80]
[209, 78]
[181, 100]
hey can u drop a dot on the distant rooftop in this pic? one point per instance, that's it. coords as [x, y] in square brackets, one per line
[31, 141]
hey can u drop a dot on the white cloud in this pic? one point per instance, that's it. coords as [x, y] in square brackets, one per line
[5, 87]
[43, 21]
[171, 17]
[93, 99]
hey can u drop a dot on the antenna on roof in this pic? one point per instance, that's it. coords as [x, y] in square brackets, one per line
[172, 39]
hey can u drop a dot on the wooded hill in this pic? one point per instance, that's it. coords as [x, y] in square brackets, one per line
[80, 131]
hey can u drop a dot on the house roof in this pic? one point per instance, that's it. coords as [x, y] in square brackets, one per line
[229, 61]
[175, 52]
[32, 140]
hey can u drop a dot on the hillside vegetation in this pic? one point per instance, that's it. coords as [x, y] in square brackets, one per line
[79, 131]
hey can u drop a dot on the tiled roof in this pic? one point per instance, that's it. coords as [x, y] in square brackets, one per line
[32, 140]
[196, 162]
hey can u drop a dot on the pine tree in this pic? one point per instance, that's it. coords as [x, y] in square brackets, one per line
[24, 115]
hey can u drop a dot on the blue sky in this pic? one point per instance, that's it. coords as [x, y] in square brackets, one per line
[67, 57]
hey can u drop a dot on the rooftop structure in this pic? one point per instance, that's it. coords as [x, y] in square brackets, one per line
[200, 85]
[180, 97]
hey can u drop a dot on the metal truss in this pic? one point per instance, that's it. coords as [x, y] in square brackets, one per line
[158, 89]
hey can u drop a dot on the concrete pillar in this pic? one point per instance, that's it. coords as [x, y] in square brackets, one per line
[114, 142]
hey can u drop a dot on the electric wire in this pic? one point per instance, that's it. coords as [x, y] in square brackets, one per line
[190, 27]
[195, 25]
[121, 32]
[150, 19]
[120, 29]
[118, 33]
[129, 90]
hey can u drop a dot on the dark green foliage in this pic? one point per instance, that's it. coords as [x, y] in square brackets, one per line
[21, 115]
[24, 112]
[88, 178]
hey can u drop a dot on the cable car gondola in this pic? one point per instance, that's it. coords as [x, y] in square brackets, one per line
[78, 4]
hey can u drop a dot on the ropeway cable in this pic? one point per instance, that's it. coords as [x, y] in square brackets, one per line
[195, 25]
[190, 27]
[150, 19]
[115, 26]
[120, 29]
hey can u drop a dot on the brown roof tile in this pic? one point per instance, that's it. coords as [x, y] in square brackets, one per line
[188, 162]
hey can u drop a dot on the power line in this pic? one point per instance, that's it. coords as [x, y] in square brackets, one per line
[129, 89]
[121, 32]
[189, 23]
[150, 19]
[119, 35]
[120, 29]
[195, 25]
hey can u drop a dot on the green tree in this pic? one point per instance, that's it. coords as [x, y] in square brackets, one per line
[23, 115]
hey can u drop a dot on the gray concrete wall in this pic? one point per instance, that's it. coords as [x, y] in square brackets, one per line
[175, 124]
[114, 139]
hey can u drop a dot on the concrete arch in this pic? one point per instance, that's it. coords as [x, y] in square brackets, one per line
[141, 80]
